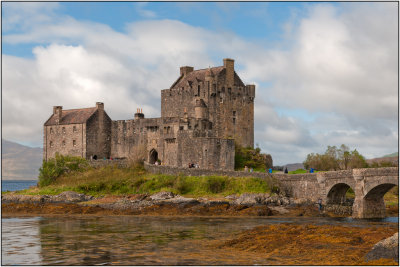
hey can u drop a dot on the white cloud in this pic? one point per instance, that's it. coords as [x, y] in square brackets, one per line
[341, 66]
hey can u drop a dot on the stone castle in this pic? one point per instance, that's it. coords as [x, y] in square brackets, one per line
[202, 114]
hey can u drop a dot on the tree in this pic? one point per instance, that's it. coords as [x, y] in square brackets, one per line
[335, 159]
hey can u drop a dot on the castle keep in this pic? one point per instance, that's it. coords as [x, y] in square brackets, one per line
[202, 113]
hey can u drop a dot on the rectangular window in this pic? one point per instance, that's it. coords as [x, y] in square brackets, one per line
[51, 143]
[234, 120]
[74, 129]
[74, 142]
[63, 130]
[63, 143]
[51, 131]
[234, 113]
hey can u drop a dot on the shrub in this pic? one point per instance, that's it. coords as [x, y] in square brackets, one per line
[55, 167]
[216, 184]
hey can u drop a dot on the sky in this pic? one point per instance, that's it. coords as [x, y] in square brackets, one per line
[325, 73]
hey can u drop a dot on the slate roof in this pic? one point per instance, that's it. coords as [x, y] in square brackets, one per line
[72, 116]
[200, 75]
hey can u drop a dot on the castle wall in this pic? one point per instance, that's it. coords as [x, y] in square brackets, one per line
[98, 135]
[230, 109]
[65, 139]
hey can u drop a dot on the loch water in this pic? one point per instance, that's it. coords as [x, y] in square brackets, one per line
[15, 185]
[134, 240]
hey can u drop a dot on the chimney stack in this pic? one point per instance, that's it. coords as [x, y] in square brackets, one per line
[100, 105]
[229, 65]
[185, 70]
[57, 111]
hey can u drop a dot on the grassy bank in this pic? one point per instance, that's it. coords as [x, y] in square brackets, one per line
[116, 181]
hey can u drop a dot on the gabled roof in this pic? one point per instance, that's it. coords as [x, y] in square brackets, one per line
[200, 75]
[72, 116]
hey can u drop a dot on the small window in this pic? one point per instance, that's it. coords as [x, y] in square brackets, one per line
[63, 130]
[234, 113]
[198, 90]
[74, 142]
[63, 143]
[234, 120]
[181, 128]
[74, 129]
[51, 143]
[51, 131]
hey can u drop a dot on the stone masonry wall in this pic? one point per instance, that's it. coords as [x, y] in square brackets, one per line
[65, 139]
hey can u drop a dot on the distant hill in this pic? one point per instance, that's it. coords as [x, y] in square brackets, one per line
[395, 154]
[20, 162]
[293, 166]
[394, 160]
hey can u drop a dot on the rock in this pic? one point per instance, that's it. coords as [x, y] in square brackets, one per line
[279, 210]
[182, 200]
[71, 196]
[11, 198]
[162, 196]
[387, 248]
[232, 197]
[251, 199]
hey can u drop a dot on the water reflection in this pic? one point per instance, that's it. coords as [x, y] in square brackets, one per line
[130, 240]
[20, 241]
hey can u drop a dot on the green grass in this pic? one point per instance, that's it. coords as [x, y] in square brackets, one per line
[116, 181]
[298, 171]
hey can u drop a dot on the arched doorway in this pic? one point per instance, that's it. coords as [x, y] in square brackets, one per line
[153, 156]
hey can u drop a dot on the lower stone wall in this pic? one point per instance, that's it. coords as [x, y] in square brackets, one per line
[159, 169]
[120, 163]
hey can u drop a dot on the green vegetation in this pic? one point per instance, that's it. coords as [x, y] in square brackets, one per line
[135, 180]
[252, 158]
[55, 167]
[298, 171]
[335, 159]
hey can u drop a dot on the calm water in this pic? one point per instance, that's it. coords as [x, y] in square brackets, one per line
[133, 240]
[14, 185]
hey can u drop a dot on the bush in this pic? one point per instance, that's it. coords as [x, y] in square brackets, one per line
[252, 158]
[55, 167]
[216, 184]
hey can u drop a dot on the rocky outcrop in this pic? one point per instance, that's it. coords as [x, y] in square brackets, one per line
[387, 248]
[261, 198]
[64, 197]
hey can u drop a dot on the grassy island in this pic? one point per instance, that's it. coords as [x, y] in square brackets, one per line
[65, 173]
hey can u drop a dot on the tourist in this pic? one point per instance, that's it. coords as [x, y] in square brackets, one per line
[190, 165]
[156, 163]
[286, 171]
[251, 169]
[246, 169]
[270, 170]
[319, 205]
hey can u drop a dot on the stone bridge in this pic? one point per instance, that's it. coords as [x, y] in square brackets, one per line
[369, 186]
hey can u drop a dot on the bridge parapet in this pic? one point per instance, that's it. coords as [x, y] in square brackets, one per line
[388, 171]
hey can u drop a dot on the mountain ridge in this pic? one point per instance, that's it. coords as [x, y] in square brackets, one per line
[20, 162]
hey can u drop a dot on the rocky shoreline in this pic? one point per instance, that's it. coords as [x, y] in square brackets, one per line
[169, 204]
[162, 203]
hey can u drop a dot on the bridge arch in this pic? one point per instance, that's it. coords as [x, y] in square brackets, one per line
[337, 194]
[369, 202]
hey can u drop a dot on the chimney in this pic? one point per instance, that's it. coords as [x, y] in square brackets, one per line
[100, 105]
[229, 65]
[185, 70]
[139, 114]
[57, 112]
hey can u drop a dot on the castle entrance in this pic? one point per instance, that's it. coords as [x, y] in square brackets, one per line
[153, 156]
